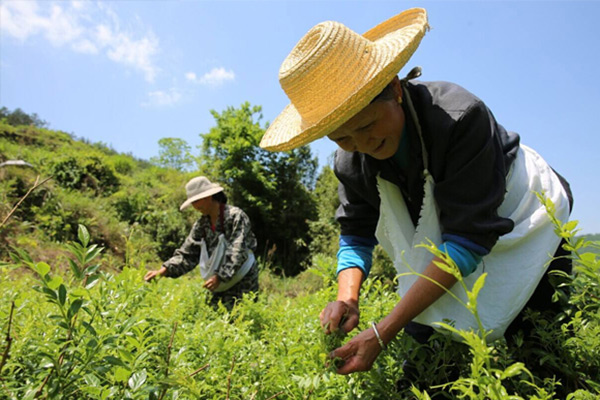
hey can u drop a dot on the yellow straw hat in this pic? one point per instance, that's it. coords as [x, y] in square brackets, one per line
[333, 72]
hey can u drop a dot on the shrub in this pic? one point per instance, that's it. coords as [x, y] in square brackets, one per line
[89, 173]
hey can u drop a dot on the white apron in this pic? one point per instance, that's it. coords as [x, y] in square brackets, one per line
[516, 263]
[208, 265]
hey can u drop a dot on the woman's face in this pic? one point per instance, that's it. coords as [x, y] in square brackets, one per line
[202, 205]
[376, 130]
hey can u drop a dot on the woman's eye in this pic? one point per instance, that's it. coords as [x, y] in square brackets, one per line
[366, 127]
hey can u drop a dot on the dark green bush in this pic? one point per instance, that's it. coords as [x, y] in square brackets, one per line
[131, 205]
[87, 173]
[168, 228]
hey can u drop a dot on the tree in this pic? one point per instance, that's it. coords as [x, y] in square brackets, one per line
[272, 188]
[19, 117]
[173, 153]
[325, 229]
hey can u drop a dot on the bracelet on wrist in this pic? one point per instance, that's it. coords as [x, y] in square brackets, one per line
[381, 344]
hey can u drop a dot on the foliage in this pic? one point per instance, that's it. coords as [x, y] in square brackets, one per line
[86, 326]
[174, 153]
[272, 188]
[87, 173]
[325, 229]
[122, 200]
[19, 117]
[88, 334]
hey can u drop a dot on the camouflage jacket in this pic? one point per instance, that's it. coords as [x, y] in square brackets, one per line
[236, 227]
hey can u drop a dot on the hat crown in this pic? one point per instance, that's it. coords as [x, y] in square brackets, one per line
[333, 73]
[198, 186]
[305, 74]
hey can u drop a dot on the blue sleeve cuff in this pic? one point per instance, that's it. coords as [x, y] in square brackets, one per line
[466, 260]
[355, 257]
[466, 243]
[351, 240]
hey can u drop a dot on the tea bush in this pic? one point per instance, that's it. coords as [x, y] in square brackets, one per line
[91, 334]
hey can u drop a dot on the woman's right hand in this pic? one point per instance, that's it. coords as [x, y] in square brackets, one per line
[339, 314]
[152, 274]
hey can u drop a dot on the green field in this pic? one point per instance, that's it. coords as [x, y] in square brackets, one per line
[78, 322]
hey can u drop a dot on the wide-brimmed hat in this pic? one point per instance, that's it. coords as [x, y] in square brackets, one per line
[333, 72]
[199, 188]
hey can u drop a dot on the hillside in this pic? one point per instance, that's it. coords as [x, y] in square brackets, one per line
[129, 205]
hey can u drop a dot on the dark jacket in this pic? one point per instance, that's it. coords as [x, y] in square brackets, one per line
[469, 157]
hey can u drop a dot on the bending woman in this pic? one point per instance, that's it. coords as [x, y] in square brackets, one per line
[225, 233]
[419, 161]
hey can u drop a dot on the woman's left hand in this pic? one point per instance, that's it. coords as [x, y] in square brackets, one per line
[212, 283]
[358, 354]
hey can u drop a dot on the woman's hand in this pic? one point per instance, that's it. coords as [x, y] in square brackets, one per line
[212, 283]
[358, 354]
[340, 315]
[152, 274]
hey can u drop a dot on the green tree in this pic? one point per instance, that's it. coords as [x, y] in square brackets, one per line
[173, 153]
[325, 229]
[272, 188]
[19, 117]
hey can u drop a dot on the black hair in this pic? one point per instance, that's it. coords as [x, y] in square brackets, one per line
[386, 94]
[221, 197]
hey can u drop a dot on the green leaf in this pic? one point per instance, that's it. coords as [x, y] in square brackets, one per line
[477, 286]
[42, 268]
[569, 226]
[83, 235]
[55, 282]
[92, 269]
[137, 380]
[112, 360]
[75, 306]
[75, 269]
[79, 292]
[62, 295]
[92, 253]
[89, 328]
[513, 370]
[92, 281]
[50, 293]
[121, 374]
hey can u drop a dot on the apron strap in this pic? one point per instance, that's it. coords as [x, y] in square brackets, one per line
[412, 74]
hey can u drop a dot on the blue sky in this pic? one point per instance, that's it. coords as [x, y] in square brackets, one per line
[128, 73]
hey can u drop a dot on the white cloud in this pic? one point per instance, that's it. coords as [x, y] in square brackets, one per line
[161, 98]
[215, 77]
[121, 48]
[190, 76]
[19, 19]
[86, 27]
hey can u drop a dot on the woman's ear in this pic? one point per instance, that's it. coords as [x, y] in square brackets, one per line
[397, 87]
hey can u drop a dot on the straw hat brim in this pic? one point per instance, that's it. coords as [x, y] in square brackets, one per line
[289, 131]
[202, 195]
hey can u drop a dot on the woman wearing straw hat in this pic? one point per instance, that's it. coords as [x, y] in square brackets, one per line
[221, 242]
[419, 162]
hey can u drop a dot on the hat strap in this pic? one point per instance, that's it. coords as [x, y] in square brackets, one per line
[412, 74]
[415, 73]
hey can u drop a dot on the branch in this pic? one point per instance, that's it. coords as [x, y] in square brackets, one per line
[275, 395]
[164, 391]
[229, 376]
[35, 186]
[198, 370]
[9, 339]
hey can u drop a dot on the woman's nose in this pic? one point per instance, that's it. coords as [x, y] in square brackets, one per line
[362, 142]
